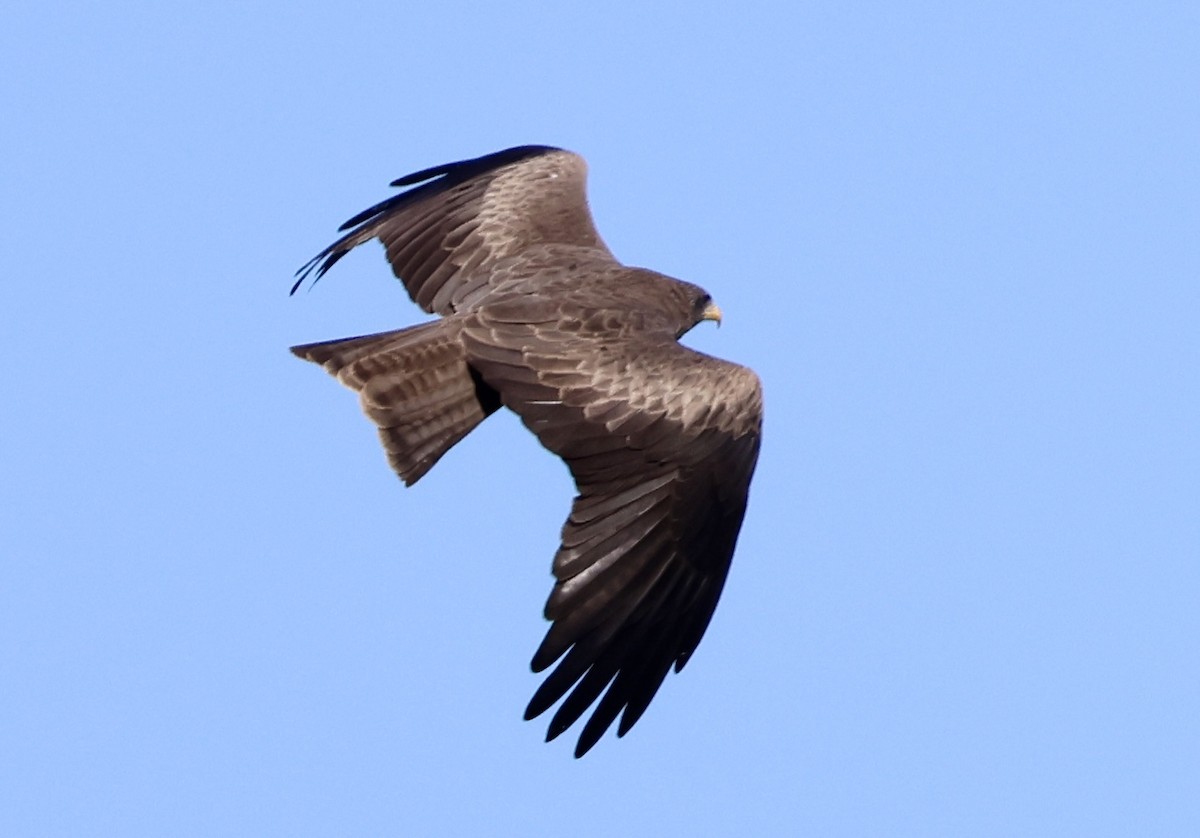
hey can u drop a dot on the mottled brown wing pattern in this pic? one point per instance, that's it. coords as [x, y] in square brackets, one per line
[444, 236]
[661, 441]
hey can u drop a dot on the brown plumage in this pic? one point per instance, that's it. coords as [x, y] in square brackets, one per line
[538, 316]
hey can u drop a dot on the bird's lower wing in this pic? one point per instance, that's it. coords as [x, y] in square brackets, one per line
[662, 442]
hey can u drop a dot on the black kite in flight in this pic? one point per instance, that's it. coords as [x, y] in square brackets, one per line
[538, 316]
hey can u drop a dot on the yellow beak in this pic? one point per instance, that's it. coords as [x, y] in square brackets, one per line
[711, 312]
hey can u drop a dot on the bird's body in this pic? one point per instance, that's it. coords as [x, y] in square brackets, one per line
[537, 316]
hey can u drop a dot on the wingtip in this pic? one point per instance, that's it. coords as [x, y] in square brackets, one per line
[305, 271]
[553, 731]
[630, 717]
[587, 741]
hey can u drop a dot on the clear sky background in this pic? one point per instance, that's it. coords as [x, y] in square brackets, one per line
[959, 242]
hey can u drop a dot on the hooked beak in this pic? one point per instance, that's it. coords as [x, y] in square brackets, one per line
[711, 312]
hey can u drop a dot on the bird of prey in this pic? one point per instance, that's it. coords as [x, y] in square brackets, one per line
[536, 315]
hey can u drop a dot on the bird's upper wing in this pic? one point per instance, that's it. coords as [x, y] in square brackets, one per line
[661, 441]
[444, 236]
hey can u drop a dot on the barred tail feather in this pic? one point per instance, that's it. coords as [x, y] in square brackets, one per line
[414, 384]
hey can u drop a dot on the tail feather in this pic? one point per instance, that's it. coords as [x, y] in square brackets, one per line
[415, 385]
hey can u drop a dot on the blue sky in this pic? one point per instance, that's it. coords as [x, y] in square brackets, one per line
[960, 243]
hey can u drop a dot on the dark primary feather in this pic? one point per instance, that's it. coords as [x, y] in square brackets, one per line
[466, 216]
[538, 316]
[447, 174]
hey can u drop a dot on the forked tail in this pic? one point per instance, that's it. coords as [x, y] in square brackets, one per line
[414, 384]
